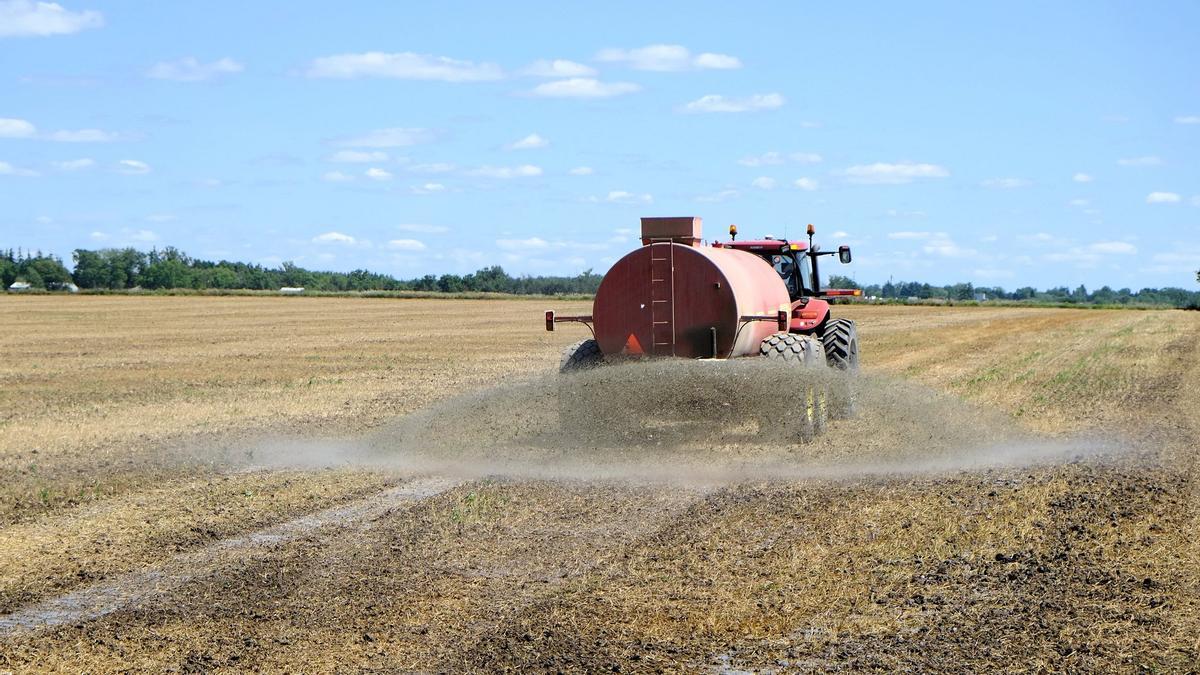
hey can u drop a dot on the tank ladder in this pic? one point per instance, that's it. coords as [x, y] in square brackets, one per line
[662, 297]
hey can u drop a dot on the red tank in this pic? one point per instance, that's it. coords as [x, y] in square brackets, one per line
[674, 297]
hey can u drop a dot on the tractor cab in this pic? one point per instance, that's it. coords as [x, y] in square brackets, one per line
[788, 258]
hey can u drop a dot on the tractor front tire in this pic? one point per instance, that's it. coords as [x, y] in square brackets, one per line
[801, 349]
[581, 356]
[841, 345]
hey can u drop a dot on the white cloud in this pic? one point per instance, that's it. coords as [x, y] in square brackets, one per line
[406, 245]
[375, 173]
[403, 66]
[145, 236]
[190, 69]
[583, 87]
[424, 229]
[1082, 178]
[83, 136]
[941, 244]
[427, 188]
[132, 167]
[1188, 119]
[623, 197]
[1005, 183]
[882, 173]
[558, 68]
[522, 171]
[806, 184]
[530, 244]
[161, 218]
[7, 169]
[839, 235]
[74, 164]
[358, 156]
[334, 238]
[715, 103]
[1149, 160]
[765, 183]
[336, 177]
[99, 236]
[1113, 247]
[29, 18]
[1079, 203]
[530, 142]
[898, 213]
[1162, 198]
[394, 137]
[666, 58]
[433, 167]
[776, 158]
[16, 128]
[581, 171]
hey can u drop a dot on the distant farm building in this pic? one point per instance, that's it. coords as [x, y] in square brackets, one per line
[19, 287]
[291, 290]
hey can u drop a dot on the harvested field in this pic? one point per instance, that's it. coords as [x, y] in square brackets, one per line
[206, 483]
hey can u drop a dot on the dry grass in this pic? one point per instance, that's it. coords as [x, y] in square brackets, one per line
[1087, 565]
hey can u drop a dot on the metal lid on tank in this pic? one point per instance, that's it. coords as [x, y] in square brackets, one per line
[679, 230]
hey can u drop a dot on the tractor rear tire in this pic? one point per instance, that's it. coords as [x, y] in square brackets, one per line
[581, 356]
[801, 349]
[841, 345]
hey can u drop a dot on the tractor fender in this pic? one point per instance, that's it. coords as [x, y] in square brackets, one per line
[808, 315]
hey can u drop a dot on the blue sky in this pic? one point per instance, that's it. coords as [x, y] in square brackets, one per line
[1011, 143]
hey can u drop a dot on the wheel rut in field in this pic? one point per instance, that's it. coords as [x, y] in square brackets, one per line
[108, 596]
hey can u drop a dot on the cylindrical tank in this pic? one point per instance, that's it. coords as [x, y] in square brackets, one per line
[668, 298]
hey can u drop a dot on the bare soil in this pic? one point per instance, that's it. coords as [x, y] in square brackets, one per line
[206, 484]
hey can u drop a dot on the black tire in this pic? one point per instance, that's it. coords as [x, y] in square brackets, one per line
[841, 345]
[581, 356]
[800, 349]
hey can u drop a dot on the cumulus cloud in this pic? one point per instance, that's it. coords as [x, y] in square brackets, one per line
[1113, 247]
[83, 136]
[74, 164]
[19, 18]
[190, 69]
[1149, 160]
[532, 243]
[406, 245]
[145, 236]
[7, 169]
[530, 142]
[336, 177]
[623, 197]
[1188, 119]
[375, 173]
[806, 184]
[581, 171]
[1162, 198]
[522, 171]
[1091, 254]
[334, 238]
[558, 68]
[776, 158]
[583, 87]
[132, 167]
[393, 137]
[883, 173]
[427, 188]
[765, 183]
[358, 156]
[716, 103]
[1082, 178]
[665, 58]
[16, 128]
[402, 66]
[1005, 183]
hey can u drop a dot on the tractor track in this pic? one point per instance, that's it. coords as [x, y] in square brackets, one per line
[130, 590]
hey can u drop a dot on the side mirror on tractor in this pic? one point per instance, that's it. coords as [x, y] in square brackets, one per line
[844, 254]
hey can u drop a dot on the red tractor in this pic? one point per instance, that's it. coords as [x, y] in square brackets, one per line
[675, 296]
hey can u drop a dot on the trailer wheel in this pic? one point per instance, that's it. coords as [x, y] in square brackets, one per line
[581, 356]
[841, 345]
[801, 349]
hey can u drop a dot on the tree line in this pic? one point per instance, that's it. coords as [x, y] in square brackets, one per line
[905, 290]
[170, 268]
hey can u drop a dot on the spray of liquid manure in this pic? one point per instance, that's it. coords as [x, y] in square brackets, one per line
[679, 421]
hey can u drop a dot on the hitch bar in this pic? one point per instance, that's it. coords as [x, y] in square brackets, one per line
[552, 318]
[782, 317]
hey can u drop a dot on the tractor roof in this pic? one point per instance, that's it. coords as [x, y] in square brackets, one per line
[765, 245]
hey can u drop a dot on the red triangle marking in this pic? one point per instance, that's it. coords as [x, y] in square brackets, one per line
[632, 346]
